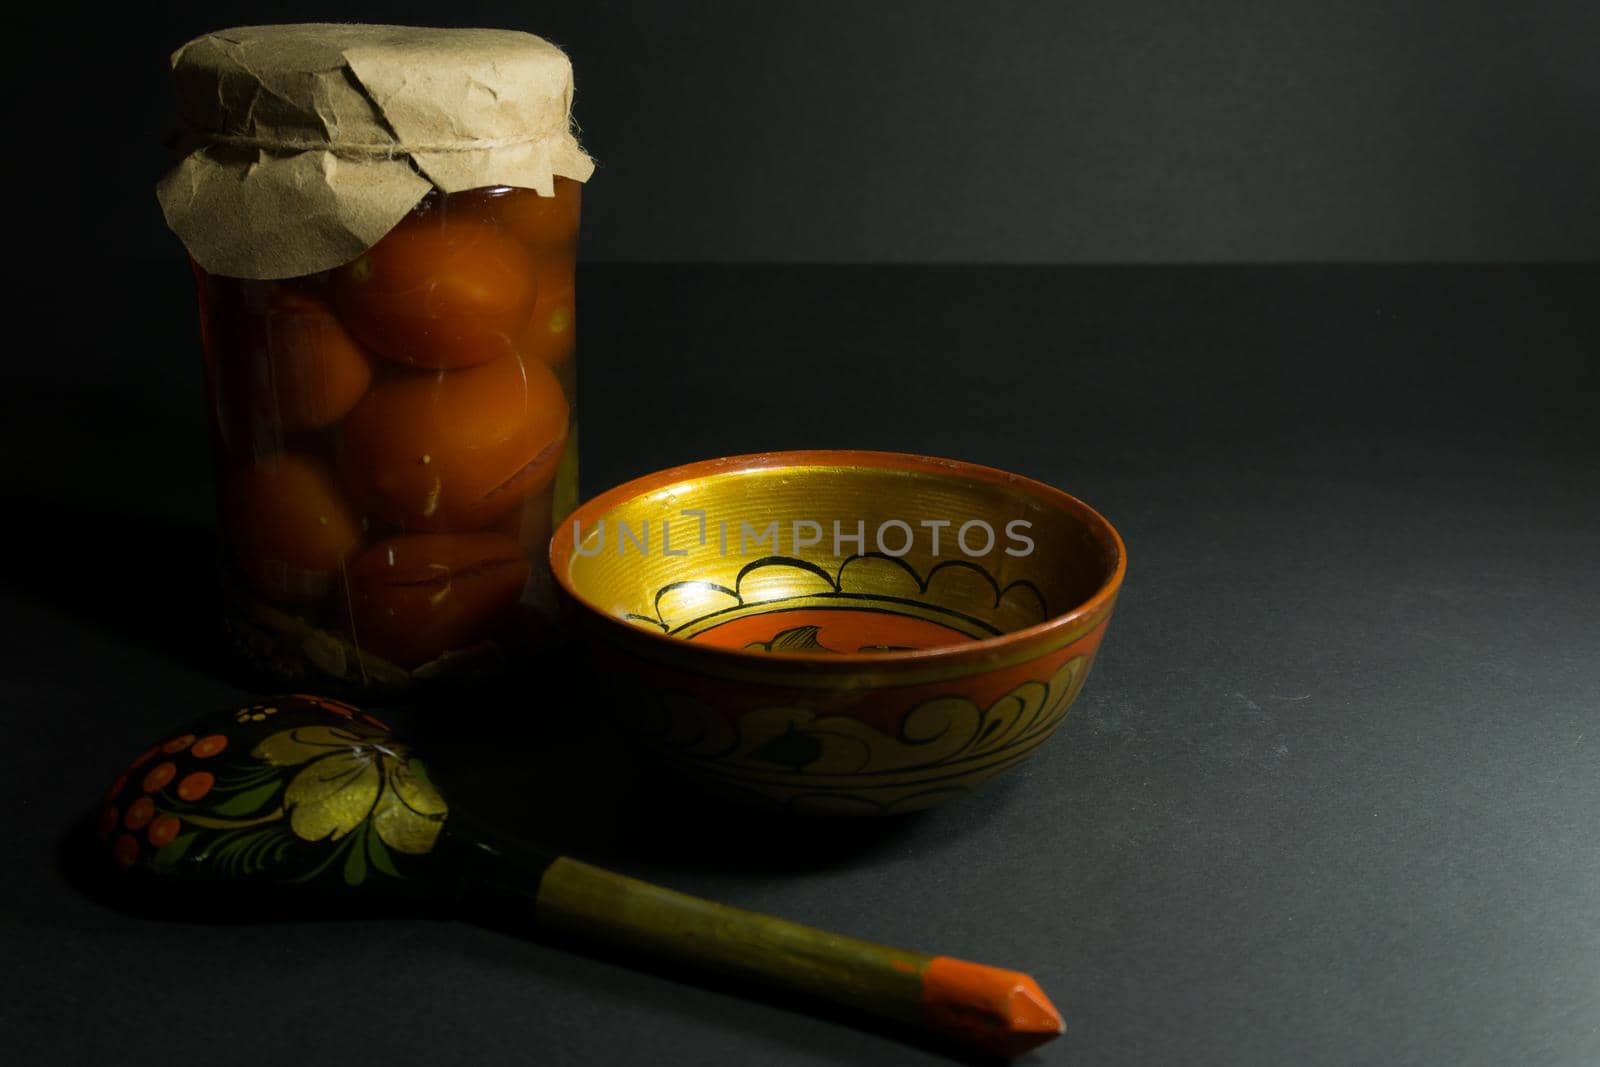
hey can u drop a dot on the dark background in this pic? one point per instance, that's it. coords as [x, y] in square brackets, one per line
[1330, 795]
[997, 132]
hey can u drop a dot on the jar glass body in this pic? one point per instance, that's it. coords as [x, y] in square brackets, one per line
[394, 440]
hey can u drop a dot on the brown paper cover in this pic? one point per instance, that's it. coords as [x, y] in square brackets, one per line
[303, 145]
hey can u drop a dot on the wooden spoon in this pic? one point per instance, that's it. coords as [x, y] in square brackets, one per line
[310, 800]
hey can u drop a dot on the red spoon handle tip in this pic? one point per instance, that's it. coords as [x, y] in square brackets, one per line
[1000, 1011]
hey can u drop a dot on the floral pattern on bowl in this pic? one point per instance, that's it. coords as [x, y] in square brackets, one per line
[834, 682]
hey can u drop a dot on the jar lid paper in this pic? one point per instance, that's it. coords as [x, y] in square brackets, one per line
[303, 145]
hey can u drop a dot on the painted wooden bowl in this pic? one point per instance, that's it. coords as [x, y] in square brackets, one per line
[840, 632]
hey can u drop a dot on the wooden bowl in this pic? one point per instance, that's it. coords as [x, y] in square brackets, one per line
[852, 669]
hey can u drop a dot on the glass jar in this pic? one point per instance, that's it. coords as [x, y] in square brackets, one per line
[394, 439]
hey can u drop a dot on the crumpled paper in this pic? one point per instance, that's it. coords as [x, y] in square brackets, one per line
[303, 145]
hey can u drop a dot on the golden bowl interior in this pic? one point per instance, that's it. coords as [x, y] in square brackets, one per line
[887, 555]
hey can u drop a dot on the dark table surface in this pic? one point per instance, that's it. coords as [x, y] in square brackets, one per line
[1331, 795]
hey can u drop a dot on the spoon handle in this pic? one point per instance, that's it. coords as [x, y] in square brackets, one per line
[999, 1011]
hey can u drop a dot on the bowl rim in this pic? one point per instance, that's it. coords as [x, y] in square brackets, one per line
[562, 547]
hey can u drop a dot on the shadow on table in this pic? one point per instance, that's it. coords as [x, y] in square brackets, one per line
[147, 580]
[567, 779]
[83, 861]
[808, 1041]
[538, 757]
